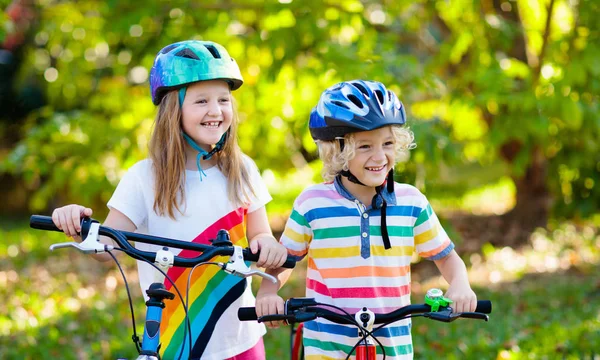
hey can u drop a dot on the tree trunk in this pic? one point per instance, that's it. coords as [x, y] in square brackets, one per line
[532, 197]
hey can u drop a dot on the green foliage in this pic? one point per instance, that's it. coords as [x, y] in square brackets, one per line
[473, 78]
[541, 316]
[60, 305]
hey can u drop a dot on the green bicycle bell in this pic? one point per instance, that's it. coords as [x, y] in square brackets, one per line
[435, 298]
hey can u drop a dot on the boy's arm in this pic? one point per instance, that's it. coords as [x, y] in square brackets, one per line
[268, 288]
[295, 239]
[454, 271]
[267, 300]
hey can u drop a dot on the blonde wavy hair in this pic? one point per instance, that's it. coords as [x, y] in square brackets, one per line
[335, 160]
[167, 152]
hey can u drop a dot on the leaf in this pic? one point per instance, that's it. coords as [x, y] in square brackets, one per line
[572, 114]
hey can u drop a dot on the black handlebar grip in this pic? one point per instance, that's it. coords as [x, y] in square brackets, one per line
[288, 264]
[42, 223]
[484, 306]
[247, 313]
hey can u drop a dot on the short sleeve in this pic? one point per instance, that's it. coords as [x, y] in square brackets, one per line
[128, 197]
[431, 240]
[261, 193]
[297, 235]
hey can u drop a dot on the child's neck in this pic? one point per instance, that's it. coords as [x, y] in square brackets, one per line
[363, 193]
[190, 160]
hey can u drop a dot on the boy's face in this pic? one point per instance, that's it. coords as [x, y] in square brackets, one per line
[375, 156]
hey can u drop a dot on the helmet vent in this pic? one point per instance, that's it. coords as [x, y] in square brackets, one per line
[213, 50]
[355, 100]
[361, 88]
[169, 48]
[389, 94]
[379, 96]
[187, 53]
[340, 104]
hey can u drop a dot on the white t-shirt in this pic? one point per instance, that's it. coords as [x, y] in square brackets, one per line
[215, 295]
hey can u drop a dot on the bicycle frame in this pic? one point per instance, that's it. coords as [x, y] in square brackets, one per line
[296, 342]
[367, 350]
[151, 339]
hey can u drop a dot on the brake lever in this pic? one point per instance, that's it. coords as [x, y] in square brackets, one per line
[275, 317]
[475, 315]
[449, 316]
[443, 315]
[91, 244]
[236, 266]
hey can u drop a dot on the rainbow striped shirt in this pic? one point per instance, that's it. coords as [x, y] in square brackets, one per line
[349, 267]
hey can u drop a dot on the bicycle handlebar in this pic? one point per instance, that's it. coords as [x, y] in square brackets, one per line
[304, 309]
[122, 238]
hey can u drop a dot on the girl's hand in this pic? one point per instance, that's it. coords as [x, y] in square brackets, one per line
[68, 218]
[272, 253]
[269, 304]
[463, 298]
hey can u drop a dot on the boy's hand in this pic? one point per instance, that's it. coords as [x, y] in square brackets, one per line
[272, 253]
[463, 298]
[68, 218]
[269, 304]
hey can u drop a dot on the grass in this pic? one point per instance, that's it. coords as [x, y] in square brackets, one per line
[66, 305]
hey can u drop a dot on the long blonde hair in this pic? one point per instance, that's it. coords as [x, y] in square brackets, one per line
[335, 160]
[167, 152]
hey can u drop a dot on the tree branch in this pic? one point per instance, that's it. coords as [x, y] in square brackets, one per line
[538, 68]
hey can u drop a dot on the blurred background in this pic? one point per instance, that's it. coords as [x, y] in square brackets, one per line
[503, 98]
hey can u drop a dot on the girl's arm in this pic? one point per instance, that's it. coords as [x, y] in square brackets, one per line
[453, 269]
[68, 219]
[260, 237]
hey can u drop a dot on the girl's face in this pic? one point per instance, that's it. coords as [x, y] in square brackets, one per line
[207, 112]
[374, 156]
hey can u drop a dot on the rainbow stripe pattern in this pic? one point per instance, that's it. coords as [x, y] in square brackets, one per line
[211, 292]
[349, 267]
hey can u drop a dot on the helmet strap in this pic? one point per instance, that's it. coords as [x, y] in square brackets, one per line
[181, 94]
[203, 154]
[375, 204]
[379, 199]
[351, 177]
[390, 181]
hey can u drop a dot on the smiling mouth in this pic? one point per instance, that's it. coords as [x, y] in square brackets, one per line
[376, 169]
[211, 124]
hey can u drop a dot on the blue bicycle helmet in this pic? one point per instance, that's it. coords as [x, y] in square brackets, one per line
[353, 106]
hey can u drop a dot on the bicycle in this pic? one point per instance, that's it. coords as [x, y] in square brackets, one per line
[162, 260]
[299, 310]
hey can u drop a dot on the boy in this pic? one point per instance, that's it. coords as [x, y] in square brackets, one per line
[360, 228]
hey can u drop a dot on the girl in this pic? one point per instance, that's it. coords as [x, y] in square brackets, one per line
[195, 182]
